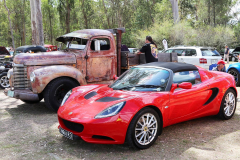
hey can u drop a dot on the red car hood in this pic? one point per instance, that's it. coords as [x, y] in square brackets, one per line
[79, 108]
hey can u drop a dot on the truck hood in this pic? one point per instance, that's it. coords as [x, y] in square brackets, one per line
[45, 58]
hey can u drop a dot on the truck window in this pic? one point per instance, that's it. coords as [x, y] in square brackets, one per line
[104, 44]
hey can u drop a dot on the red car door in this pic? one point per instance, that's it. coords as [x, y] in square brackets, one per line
[186, 102]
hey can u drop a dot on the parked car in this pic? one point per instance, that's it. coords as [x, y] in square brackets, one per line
[4, 67]
[50, 47]
[29, 49]
[235, 54]
[132, 50]
[234, 70]
[144, 100]
[3, 53]
[201, 56]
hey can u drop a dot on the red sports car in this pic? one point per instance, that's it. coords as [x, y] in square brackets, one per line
[144, 100]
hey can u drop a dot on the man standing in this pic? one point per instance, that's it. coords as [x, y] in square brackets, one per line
[226, 54]
[150, 50]
[220, 66]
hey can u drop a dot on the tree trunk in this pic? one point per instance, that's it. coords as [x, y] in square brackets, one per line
[68, 17]
[10, 24]
[36, 21]
[84, 15]
[175, 10]
[209, 13]
[24, 28]
[105, 9]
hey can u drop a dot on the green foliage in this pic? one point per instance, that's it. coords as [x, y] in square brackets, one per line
[202, 22]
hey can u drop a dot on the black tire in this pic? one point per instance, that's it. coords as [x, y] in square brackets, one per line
[40, 96]
[134, 129]
[56, 90]
[231, 106]
[236, 76]
[4, 81]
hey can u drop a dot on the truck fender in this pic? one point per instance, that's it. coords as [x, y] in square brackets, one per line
[46, 74]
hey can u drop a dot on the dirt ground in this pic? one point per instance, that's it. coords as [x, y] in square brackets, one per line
[30, 132]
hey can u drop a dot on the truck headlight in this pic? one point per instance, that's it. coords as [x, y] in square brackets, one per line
[66, 97]
[111, 111]
[32, 77]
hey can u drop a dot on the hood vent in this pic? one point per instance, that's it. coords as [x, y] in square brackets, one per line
[108, 99]
[90, 95]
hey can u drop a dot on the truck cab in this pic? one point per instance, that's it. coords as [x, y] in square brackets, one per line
[86, 56]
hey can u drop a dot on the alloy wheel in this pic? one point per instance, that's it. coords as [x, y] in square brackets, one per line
[229, 104]
[234, 73]
[4, 82]
[146, 129]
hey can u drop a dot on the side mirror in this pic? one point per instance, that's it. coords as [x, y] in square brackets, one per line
[97, 45]
[115, 77]
[183, 85]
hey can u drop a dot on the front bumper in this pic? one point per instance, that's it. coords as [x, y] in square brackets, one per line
[111, 130]
[25, 94]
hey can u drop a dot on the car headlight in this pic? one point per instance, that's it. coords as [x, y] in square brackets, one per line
[66, 97]
[111, 111]
[32, 77]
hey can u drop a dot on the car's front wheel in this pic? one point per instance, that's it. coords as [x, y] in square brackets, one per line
[4, 81]
[143, 129]
[228, 105]
[236, 75]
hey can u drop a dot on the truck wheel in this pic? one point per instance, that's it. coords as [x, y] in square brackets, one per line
[56, 90]
[4, 82]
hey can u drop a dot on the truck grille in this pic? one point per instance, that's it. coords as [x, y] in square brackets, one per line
[20, 80]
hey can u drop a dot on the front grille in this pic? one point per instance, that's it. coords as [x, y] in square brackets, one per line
[73, 126]
[20, 80]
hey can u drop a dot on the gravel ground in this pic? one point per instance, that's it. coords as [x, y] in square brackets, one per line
[30, 132]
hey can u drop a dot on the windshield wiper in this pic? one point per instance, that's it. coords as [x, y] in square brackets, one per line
[148, 86]
[143, 85]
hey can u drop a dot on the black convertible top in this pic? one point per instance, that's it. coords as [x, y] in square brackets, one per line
[175, 67]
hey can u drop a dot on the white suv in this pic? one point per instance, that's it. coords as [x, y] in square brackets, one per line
[200, 56]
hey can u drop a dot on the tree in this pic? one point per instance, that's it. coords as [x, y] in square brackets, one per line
[175, 10]
[10, 24]
[36, 20]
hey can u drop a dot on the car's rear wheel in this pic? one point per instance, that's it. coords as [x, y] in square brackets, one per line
[56, 90]
[228, 105]
[4, 81]
[143, 129]
[236, 75]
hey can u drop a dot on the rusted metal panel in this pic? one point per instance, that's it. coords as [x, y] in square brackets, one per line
[85, 34]
[46, 74]
[101, 65]
[47, 58]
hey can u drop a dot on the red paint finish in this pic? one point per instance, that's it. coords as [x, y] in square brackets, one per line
[174, 106]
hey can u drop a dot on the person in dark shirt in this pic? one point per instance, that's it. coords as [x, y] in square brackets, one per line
[226, 54]
[220, 66]
[150, 50]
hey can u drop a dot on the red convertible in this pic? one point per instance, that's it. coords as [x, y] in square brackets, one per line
[144, 100]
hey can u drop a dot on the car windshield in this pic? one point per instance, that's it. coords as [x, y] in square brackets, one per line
[142, 79]
[74, 43]
[210, 52]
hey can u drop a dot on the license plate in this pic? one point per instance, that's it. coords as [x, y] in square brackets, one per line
[10, 93]
[66, 133]
[214, 61]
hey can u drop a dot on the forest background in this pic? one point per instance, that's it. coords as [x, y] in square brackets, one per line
[201, 22]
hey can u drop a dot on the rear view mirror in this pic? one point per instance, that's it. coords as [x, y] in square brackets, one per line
[183, 85]
[115, 77]
[97, 45]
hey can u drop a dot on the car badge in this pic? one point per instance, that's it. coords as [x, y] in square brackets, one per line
[70, 113]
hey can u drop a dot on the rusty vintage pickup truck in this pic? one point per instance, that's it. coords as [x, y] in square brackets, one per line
[88, 56]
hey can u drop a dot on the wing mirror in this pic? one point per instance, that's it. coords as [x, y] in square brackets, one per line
[115, 77]
[183, 85]
[97, 45]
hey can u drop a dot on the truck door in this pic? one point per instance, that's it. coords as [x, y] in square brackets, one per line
[101, 64]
